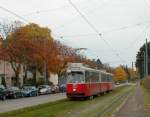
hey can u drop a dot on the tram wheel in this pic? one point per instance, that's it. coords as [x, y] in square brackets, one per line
[91, 97]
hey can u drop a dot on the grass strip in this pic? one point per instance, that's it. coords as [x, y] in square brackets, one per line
[146, 93]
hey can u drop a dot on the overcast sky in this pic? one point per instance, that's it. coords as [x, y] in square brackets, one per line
[124, 24]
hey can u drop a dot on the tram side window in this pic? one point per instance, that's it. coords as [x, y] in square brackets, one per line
[91, 76]
[104, 78]
[111, 78]
[108, 78]
[97, 77]
[87, 76]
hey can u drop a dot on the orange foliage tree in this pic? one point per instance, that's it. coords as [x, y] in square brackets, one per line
[120, 74]
[29, 46]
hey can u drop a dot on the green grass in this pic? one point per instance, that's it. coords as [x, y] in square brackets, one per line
[66, 108]
[146, 90]
[146, 98]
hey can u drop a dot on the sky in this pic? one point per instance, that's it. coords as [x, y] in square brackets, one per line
[123, 24]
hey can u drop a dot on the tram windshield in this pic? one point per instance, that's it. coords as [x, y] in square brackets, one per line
[75, 77]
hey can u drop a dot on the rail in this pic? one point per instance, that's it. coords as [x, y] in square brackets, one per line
[113, 105]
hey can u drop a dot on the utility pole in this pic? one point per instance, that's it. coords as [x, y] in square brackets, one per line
[132, 66]
[146, 58]
[144, 63]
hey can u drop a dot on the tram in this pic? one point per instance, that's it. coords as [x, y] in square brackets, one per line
[83, 81]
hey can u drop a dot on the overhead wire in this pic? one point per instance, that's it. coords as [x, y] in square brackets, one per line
[110, 31]
[15, 14]
[147, 4]
[76, 17]
[95, 30]
[47, 10]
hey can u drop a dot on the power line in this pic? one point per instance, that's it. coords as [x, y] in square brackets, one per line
[76, 17]
[93, 27]
[135, 40]
[147, 4]
[13, 13]
[113, 30]
[47, 10]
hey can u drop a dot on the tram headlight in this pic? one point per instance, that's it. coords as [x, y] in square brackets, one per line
[74, 89]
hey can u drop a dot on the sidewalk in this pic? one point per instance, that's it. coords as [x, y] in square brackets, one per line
[134, 106]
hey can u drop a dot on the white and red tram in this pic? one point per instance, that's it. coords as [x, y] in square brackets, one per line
[87, 82]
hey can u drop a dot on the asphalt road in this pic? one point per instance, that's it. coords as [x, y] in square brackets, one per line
[124, 84]
[14, 104]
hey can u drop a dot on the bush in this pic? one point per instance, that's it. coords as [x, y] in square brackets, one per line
[146, 83]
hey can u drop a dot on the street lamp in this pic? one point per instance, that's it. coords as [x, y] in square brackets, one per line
[144, 63]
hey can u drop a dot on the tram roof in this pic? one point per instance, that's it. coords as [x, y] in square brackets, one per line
[81, 67]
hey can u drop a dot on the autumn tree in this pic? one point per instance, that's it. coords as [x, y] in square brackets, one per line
[5, 30]
[29, 46]
[120, 74]
[65, 54]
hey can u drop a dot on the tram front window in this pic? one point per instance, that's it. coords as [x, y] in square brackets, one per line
[76, 77]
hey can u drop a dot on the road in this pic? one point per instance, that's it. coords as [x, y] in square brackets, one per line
[14, 104]
[124, 84]
[134, 106]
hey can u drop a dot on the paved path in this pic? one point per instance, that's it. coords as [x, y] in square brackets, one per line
[134, 106]
[14, 104]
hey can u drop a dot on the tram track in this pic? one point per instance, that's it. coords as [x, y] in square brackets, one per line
[115, 103]
[102, 106]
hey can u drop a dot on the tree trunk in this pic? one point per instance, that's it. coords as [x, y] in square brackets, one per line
[25, 74]
[34, 77]
[16, 67]
[17, 80]
[3, 81]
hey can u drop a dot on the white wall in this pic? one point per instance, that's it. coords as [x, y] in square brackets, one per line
[54, 78]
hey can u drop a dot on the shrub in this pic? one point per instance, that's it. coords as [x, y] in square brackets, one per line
[146, 82]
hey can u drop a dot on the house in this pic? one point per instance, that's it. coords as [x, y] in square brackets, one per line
[8, 74]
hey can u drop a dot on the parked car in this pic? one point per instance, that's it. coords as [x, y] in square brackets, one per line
[44, 89]
[2, 92]
[13, 92]
[62, 88]
[55, 89]
[29, 91]
[117, 83]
